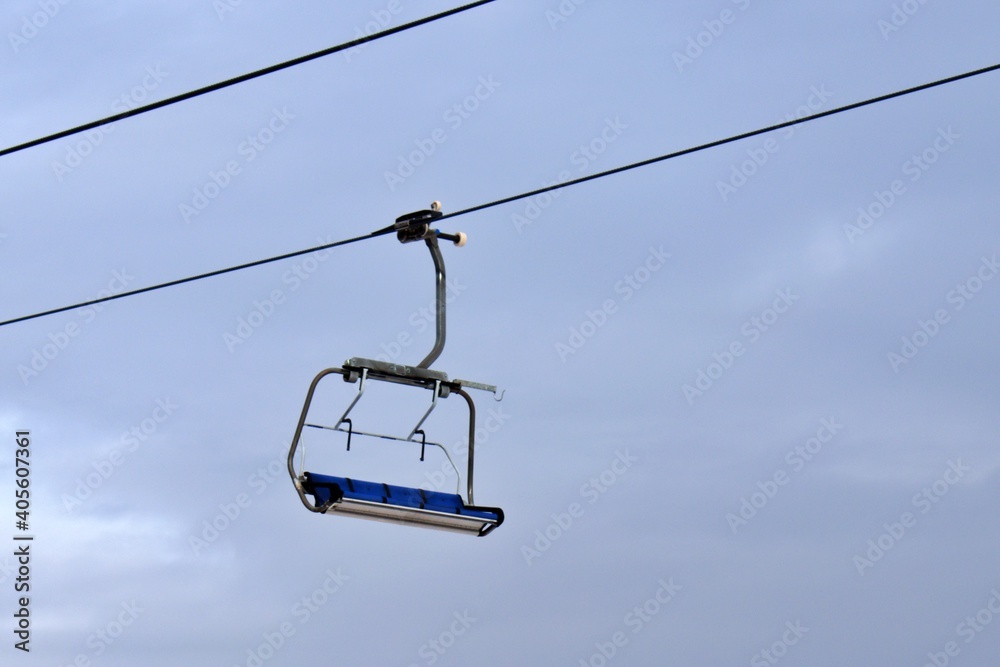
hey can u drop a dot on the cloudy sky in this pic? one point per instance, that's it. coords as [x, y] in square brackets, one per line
[750, 412]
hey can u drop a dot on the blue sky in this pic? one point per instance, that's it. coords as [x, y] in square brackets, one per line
[750, 402]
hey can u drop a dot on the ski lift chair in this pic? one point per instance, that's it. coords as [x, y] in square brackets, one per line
[340, 495]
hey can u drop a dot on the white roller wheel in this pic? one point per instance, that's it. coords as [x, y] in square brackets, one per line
[435, 206]
[462, 239]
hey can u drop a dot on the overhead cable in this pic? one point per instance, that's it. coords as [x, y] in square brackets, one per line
[721, 142]
[525, 195]
[201, 276]
[238, 79]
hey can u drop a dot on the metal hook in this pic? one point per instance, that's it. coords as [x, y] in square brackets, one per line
[423, 443]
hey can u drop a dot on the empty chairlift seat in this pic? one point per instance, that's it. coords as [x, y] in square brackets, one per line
[333, 495]
[400, 504]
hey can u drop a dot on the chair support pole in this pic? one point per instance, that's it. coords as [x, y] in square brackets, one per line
[441, 287]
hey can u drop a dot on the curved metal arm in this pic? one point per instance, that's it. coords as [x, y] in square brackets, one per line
[415, 227]
[295, 442]
[441, 286]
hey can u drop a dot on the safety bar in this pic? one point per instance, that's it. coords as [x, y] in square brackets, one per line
[423, 442]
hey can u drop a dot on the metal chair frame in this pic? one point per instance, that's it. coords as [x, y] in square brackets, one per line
[410, 228]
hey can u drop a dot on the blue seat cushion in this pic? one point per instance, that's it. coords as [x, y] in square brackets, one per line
[325, 488]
